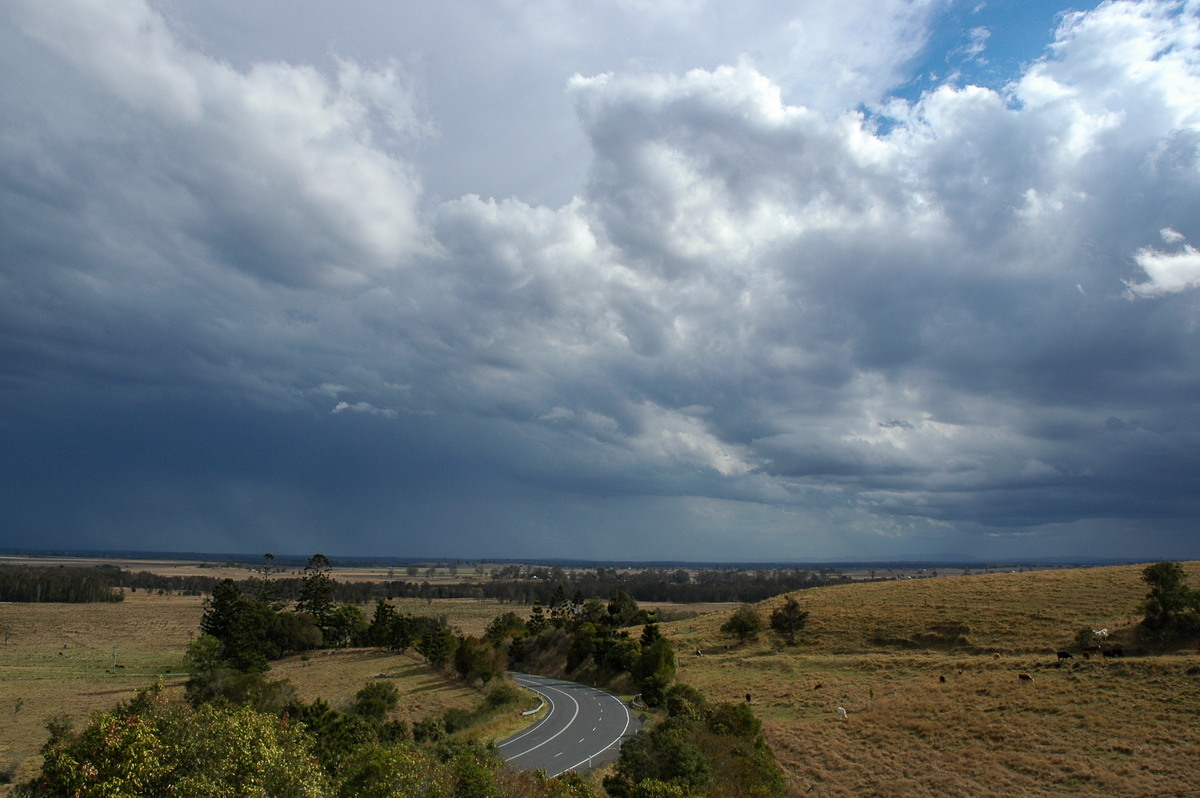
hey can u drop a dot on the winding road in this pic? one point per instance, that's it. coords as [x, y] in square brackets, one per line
[583, 728]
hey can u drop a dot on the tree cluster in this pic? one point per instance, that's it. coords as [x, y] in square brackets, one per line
[701, 749]
[746, 623]
[528, 585]
[589, 641]
[73, 585]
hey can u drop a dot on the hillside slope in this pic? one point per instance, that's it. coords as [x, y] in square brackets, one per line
[881, 651]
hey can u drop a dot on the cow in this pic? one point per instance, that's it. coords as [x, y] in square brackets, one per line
[841, 713]
[1024, 677]
[1064, 655]
[1113, 651]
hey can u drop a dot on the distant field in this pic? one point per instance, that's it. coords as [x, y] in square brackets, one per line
[1094, 727]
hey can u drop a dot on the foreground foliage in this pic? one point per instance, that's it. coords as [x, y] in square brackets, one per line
[699, 750]
[155, 746]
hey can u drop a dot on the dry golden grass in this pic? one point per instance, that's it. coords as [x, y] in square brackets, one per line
[61, 659]
[338, 674]
[1112, 727]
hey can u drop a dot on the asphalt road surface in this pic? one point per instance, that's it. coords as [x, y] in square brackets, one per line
[583, 728]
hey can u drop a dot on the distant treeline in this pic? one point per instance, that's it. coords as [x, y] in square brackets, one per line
[66, 585]
[517, 585]
[512, 584]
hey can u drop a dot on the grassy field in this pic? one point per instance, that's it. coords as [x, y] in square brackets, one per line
[881, 650]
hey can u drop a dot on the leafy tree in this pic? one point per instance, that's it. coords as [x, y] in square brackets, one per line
[431, 729]
[375, 701]
[476, 659]
[655, 666]
[622, 654]
[246, 629]
[379, 630]
[437, 646]
[265, 588]
[297, 631]
[623, 610]
[506, 626]
[537, 619]
[683, 701]
[789, 619]
[584, 642]
[560, 608]
[345, 626]
[1172, 610]
[376, 771]
[213, 679]
[745, 623]
[316, 590]
[155, 747]
[1084, 637]
[660, 755]
[220, 609]
[335, 736]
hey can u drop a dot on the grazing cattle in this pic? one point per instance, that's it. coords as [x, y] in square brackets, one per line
[747, 698]
[942, 679]
[818, 686]
[1065, 655]
[841, 713]
[1100, 634]
[996, 655]
[1024, 677]
[1113, 651]
[120, 666]
[1091, 648]
[699, 653]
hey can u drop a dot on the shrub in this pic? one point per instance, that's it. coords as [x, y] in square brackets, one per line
[745, 623]
[375, 701]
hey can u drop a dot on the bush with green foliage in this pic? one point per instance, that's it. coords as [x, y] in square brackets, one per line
[745, 623]
[787, 621]
[152, 746]
[375, 701]
[701, 749]
[1171, 608]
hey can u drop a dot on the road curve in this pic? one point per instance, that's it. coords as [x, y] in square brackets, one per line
[583, 728]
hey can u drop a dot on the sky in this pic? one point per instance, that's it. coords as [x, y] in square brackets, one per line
[606, 280]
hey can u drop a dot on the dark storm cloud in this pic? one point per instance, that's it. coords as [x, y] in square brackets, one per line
[763, 327]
